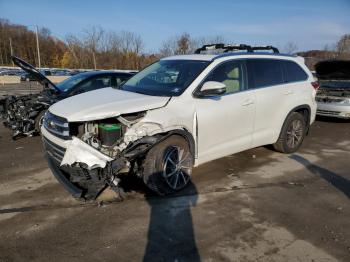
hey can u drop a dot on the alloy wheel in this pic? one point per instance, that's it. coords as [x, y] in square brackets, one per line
[177, 167]
[295, 133]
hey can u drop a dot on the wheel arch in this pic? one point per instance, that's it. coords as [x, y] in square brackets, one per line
[187, 136]
[305, 110]
[132, 151]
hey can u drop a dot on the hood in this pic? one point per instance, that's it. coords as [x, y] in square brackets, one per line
[333, 70]
[105, 103]
[34, 72]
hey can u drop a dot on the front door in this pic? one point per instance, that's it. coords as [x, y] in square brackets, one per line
[225, 122]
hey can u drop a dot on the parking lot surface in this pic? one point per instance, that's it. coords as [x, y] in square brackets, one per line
[24, 88]
[258, 205]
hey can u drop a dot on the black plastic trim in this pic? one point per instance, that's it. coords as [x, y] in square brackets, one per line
[69, 186]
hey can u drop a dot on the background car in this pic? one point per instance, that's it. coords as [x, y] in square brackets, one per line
[23, 114]
[333, 96]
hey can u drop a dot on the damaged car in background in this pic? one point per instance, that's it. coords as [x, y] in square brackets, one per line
[176, 114]
[333, 96]
[23, 114]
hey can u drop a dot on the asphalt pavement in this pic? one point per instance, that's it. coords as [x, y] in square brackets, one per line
[258, 205]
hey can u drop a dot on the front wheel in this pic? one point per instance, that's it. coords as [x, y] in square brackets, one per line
[39, 121]
[167, 167]
[292, 134]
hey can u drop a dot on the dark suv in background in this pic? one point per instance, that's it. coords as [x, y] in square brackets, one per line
[23, 114]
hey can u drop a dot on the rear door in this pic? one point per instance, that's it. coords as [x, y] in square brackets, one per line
[294, 78]
[273, 99]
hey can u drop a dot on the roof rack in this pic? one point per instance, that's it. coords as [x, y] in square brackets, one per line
[229, 48]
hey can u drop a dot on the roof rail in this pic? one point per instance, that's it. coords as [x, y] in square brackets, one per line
[267, 47]
[228, 48]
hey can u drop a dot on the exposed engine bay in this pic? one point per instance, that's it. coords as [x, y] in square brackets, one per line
[99, 151]
[333, 96]
[334, 92]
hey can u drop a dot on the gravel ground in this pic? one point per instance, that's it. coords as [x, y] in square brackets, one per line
[257, 205]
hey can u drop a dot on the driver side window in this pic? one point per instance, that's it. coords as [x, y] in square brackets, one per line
[95, 83]
[230, 73]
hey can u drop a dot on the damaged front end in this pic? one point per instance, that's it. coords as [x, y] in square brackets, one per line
[334, 92]
[95, 152]
[21, 114]
[333, 96]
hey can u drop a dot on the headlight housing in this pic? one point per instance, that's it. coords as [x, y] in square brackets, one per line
[56, 125]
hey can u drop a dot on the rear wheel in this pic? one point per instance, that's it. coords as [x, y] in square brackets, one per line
[292, 134]
[168, 166]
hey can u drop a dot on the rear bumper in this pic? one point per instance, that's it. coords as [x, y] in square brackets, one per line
[333, 110]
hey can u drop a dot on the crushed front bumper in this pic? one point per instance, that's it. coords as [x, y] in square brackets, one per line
[75, 191]
[80, 181]
[54, 155]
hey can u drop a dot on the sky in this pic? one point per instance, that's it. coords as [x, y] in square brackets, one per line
[311, 24]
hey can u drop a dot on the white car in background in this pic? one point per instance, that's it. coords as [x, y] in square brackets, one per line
[333, 96]
[178, 113]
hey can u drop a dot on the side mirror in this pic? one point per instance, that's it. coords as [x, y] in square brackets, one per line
[212, 88]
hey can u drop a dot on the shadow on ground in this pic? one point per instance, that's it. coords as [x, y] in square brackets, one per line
[170, 235]
[342, 184]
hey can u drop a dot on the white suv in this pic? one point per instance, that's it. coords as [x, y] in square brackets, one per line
[178, 113]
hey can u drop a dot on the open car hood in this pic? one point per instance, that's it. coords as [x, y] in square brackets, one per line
[105, 103]
[333, 70]
[34, 72]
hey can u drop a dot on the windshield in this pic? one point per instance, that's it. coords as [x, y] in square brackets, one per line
[165, 77]
[70, 82]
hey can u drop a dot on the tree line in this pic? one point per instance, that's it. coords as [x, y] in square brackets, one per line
[101, 49]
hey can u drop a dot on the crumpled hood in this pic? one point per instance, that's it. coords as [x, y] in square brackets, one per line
[105, 103]
[333, 70]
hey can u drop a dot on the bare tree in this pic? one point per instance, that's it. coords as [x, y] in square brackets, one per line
[206, 40]
[168, 47]
[178, 45]
[290, 47]
[75, 47]
[183, 44]
[343, 46]
[92, 41]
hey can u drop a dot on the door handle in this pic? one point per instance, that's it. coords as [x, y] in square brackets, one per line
[288, 92]
[247, 102]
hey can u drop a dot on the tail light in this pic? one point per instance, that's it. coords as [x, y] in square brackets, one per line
[315, 85]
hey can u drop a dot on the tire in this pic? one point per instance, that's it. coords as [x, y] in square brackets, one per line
[38, 121]
[162, 172]
[292, 134]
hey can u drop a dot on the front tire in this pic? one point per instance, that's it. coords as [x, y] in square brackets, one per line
[292, 134]
[39, 121]
[167, 167]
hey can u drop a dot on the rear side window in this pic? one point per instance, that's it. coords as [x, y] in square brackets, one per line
[266, 72]
[293, 72]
